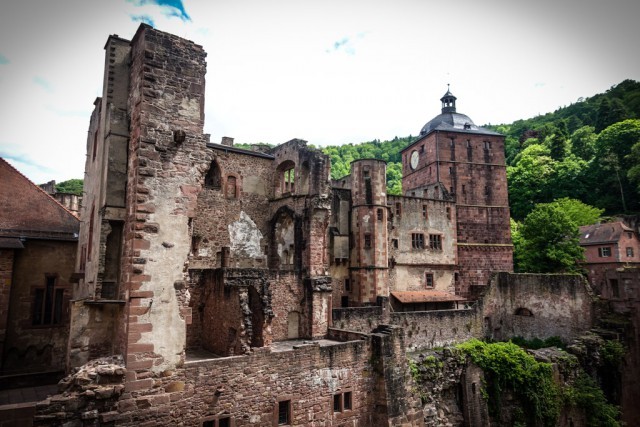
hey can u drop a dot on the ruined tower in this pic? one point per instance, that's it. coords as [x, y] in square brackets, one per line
[369, 260]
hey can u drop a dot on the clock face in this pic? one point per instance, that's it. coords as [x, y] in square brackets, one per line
[414, 160]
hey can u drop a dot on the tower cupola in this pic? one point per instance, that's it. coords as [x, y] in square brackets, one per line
[448, 102]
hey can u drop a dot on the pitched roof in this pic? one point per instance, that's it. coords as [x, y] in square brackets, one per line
[27, 210]
[408, 297]
[609, 232]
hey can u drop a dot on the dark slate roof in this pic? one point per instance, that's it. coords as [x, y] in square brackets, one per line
[609, 232]
[454, 122]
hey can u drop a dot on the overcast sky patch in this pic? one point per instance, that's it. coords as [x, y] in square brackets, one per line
[43, 83]
[3, 59]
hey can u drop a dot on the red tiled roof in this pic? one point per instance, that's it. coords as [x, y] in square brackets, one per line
[408, 297]
[602, 233]
[27, 210]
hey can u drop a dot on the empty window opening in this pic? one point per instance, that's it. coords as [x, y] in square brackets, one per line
[394, 243]
[417, 240]
[428, 280]
[435, 242]
[342, 402]
[398, 209]
[448, 213]
[367, 188]
[615, 289]
[222, 421]
[424, 212]
[380, 214]
[284, 412]
[367, 241]
[47, 303]
[347, 285]
[629, 252]
[524, 312]
[213, 177]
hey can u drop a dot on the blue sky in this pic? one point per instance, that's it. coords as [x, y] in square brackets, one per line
[328, 71]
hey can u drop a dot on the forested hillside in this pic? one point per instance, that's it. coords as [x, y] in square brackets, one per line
[588, 151]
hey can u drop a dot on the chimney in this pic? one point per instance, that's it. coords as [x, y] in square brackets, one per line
[226, 140]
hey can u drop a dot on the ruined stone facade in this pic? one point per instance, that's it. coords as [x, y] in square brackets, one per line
[244, 287]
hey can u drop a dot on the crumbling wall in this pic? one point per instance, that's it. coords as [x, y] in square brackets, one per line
[537, 306]
[248, 389]
[168, 160]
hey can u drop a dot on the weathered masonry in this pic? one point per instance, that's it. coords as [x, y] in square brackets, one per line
[212, 279]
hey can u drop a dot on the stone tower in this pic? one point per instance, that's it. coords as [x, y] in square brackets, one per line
[455, 159]
[369, 259]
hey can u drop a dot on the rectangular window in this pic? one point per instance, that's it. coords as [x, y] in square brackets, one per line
[221, 421]
[47, 303]
[417, 240]
[448, 213]
[367, 241]
[394, 243]
[380, 214]
[615, 290]
[424, 212]
[347, 285]
[284, 412]
[346, 404]
[398, 209]
[429, 280]
[629, 252]
[435, 242]
[342, 402]
[604, 251]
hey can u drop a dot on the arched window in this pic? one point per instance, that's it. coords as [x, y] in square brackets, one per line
[213, 179]
[524, 312]
[285, 178]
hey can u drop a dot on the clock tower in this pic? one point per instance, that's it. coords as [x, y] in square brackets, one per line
[453, 159]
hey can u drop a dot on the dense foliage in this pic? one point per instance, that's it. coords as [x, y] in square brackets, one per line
[73, 186]
[508, 367]
[389, 151]
[547, 241]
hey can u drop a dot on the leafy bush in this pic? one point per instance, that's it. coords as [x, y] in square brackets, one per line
[507, 366]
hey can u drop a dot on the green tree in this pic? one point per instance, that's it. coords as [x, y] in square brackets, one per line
[73, 186]
[613, 149]
[583, 142]
[549, 241]
[580, 213]
[529, 179]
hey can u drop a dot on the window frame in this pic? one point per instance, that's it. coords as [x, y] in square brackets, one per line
[604, 251]
[435, 242]
[340, 398]
[48, 304]
[417, 240]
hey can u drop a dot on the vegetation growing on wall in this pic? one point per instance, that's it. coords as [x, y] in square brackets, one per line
[509, 367]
